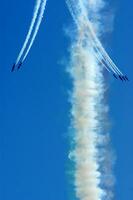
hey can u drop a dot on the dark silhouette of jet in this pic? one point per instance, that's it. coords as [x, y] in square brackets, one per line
[20, 64]
[13, 67]
[126, 78]
[115, 76]
[121, 78]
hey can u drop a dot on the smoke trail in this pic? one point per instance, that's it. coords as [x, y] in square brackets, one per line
[89, 111]
[100, 51]
[36, 9]
[40, 17]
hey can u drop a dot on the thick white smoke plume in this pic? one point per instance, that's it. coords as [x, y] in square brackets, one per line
[36, 10]
[93, 179]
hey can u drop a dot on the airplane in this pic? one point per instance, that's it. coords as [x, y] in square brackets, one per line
[13, 67]
[121, 78]
[126, 78]
[115, 76]
[20, 65]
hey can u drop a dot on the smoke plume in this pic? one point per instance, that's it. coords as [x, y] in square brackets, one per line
[93, 178]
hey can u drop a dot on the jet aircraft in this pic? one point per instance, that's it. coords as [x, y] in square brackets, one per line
[20, 64]
[115, 76]
[13, 67]
[121, 78]
[126, 78]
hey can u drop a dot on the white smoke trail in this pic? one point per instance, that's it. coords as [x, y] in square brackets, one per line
[82, 11]
[97, 54]
[36, 10]
[92, 181]
[40, 17]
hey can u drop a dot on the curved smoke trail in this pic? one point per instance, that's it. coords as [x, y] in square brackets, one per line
[36, 10]
[92, 180]
[99, 49]
[40, 17]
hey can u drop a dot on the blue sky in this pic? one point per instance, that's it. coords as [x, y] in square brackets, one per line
[34, 108]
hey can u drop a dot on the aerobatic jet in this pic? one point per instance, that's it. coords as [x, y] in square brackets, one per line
[121, 78]
[126, 78]
[115, 76]
[20, 64]
[13, 67]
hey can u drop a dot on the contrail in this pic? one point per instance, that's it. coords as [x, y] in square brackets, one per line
[36, 10]
[93, 178]
[40, 17]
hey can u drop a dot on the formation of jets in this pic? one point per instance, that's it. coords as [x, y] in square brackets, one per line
[122, 78]
[100, 53]
[116, 75]
[16, 66]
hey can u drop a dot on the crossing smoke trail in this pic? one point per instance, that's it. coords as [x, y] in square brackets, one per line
[36, 10]
[40, 17]
[93, 178]
[100, 52]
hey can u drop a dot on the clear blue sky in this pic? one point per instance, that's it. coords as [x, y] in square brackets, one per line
[34, 108]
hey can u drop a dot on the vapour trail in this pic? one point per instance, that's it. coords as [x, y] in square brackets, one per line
[36, 10]
[102, 54]
[89, 111]
[40, 17]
